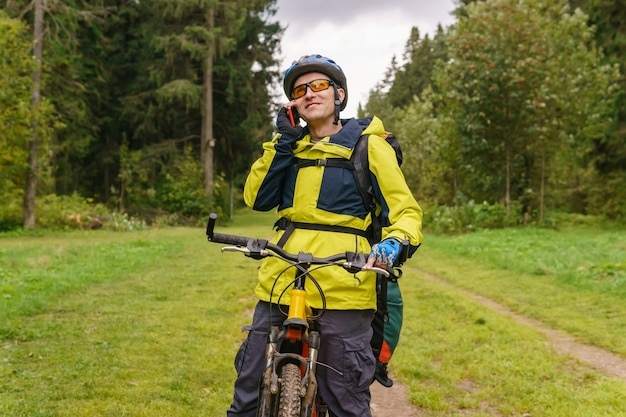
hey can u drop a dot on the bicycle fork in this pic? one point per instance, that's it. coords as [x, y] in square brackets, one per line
[297, 344]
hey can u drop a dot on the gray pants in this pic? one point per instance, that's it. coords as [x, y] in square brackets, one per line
[345, 347]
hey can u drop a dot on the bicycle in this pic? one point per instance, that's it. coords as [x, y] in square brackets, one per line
[288, 387]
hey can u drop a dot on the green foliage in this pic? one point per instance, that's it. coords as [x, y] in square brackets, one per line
[75, 212]
[165, 102]
[166, 187]
[16, 67]
[58, 212]
[469, 217]
[415, 75]
[183, 190]
[421, 135]
[525, 83]
[164, 105]
[608, 154]
[515, 103]
[71, 90]
[126, 81]
[526, 108]
[608, 17]
[133, 177]
[558, 220]
[11, 209]
[606, 195]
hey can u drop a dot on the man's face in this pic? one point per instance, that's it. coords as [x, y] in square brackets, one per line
[316, 106]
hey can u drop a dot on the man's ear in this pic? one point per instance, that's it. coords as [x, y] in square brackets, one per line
[342, 94]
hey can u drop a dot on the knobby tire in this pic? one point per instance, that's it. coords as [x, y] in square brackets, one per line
[291, 386]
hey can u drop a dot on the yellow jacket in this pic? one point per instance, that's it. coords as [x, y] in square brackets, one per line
[329, 195]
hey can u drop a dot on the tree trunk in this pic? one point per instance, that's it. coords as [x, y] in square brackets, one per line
[507, 197]
[30, 188]
[232, 198]
[207, 141]
[542, 186]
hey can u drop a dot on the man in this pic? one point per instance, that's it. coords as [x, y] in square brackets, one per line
[321, 211]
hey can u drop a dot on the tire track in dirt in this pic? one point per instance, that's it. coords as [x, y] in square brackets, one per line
[393, 402]
[595, 357]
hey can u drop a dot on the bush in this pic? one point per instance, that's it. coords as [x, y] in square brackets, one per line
[11, 212]
[557, 219]
[75, 212]
[470, 217]
[473, 217]
[122, 222]
[67, 212]
[183, 189]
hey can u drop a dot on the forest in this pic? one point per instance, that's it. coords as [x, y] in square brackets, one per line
[121, 114]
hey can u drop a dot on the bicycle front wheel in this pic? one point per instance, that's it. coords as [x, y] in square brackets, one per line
[290, 387]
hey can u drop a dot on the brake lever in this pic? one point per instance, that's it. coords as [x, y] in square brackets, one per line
[254, 254]
[355, 262]
[380, 271]
[355, 267]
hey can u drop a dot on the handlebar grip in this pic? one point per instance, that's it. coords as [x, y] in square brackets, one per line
[404, 253]
[223, 238]
[210, 226]
[229, 239]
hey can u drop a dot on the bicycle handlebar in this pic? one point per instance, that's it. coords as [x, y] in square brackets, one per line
[261, 248]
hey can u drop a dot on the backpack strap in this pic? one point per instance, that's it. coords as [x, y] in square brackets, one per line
[331, 162]
[381, 317]
[288, 226]
[360, 161]
[359, 165]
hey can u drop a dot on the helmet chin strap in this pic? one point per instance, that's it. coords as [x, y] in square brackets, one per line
[337, 105]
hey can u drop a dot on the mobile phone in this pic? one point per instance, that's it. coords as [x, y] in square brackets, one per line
[294, 117]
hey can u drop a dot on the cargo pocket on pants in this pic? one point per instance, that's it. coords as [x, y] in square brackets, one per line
[359, 364]
[240, 357]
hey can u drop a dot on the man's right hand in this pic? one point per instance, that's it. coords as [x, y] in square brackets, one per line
[284, 127]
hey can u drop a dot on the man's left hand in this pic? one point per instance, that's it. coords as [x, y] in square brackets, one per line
[384, 254]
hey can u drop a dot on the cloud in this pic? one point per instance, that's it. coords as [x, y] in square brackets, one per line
[344, 12]
[361, 36]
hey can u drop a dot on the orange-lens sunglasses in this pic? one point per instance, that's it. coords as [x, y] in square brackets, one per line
[315, 85]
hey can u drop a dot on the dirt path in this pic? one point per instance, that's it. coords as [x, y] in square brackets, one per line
[392, 402]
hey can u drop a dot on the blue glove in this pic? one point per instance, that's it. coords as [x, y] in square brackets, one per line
[283, 126]
[386, 252]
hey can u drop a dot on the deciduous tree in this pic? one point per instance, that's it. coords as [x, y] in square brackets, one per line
[523, 82]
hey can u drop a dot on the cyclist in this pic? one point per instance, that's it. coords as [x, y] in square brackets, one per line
[321, 211]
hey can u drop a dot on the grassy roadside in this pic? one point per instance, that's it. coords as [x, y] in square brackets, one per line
[34, 270]
[156, 340]
[463, 359]
[153, 330]
[460, 358]
[572, 280]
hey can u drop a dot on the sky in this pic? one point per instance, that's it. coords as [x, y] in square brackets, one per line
[361, 36]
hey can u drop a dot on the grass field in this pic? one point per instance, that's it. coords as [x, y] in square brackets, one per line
[147, 323]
